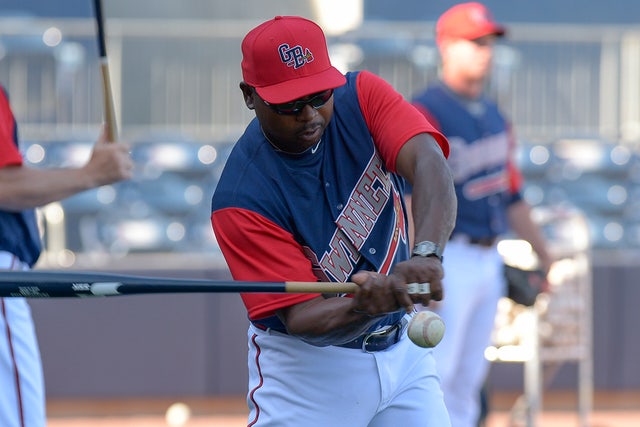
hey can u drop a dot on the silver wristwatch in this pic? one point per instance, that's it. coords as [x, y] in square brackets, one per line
[427, 249]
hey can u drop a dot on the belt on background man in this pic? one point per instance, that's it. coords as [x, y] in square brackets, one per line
[485, 242]
[379, 340]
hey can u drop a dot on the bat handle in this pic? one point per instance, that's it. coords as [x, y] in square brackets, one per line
[109, 110]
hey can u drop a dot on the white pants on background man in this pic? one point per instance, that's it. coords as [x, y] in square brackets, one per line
[473, 285]
[22, 401]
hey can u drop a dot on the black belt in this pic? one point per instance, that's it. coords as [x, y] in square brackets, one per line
[483, 241]
[379, 340]
[486, 242]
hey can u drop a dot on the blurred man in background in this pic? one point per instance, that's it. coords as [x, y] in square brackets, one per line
[487, 186]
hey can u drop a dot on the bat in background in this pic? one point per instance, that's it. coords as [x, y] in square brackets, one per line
[109, 110]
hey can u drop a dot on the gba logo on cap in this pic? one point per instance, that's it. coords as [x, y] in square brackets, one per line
[294, 57]
[286, 58]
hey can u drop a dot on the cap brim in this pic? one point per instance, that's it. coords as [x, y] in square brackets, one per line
[473, 33]
[497, 30]
[500, 31]
[298, 88]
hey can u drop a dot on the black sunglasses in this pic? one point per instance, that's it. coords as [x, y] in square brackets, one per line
[294, 107]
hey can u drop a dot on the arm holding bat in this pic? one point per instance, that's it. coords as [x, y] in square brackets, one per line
[23, 187]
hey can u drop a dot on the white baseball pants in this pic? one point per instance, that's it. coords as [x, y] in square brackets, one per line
[292, 383]
[473, 285]
[22, 400]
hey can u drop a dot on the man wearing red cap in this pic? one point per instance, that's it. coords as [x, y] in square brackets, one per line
[489, 202]
[313, 191]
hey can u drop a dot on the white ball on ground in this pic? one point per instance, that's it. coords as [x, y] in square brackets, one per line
[426, 329]
[178, 414]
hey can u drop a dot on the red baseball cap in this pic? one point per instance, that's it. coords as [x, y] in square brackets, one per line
[467, 21]
[286, 58]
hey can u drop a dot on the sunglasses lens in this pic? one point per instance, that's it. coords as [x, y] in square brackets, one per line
[287, 108]
[295, 107]
[321, 99]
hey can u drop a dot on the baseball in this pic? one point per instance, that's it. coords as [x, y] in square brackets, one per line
[178, 414]
[426, 329]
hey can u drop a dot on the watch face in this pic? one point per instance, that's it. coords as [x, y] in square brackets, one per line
[427, 248]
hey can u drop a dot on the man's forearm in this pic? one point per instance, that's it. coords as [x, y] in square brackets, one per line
[322, 322]
[27, 188]
[523, 225]
[434, 202]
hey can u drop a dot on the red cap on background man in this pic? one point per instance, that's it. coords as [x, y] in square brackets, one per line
[286, 58]
[467, 21]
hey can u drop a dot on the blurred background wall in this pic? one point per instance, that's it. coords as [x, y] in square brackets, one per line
[567, 75]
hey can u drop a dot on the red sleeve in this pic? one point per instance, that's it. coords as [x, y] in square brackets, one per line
[430, 117]
[391, 119]
[9, 153]
[515, 176]
[257, 249]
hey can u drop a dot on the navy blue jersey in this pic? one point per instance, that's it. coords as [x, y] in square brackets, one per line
[324, 214]
[481, 144]
[18, 230]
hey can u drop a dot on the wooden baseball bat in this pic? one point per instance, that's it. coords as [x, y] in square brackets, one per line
[56, 284]
[109, 110]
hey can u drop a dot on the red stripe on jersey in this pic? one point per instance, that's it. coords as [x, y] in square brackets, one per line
[486, 186]
[398, 234]
[515, 176]
[253, 391]
[14, 362]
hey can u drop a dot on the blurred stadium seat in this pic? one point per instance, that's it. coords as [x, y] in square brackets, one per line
[164, 207]
[595, 176]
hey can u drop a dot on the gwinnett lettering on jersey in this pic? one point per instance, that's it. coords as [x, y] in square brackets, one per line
[484, 153]
[357, 220]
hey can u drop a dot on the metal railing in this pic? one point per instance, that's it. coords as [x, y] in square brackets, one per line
[558, 328]
[554, 81]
